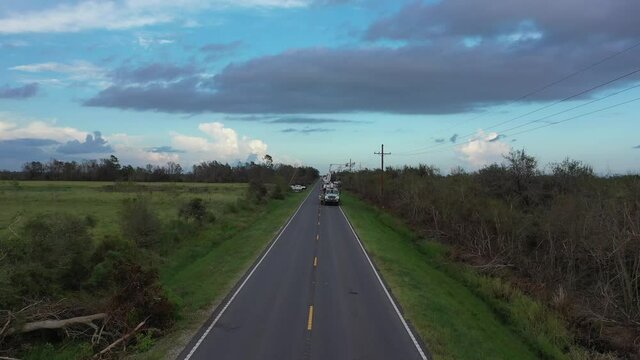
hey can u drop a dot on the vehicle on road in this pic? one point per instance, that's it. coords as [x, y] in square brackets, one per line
[330, 196]
[298, 188]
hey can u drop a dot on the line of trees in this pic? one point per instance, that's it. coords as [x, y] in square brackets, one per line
[566, 235]
[110, 169]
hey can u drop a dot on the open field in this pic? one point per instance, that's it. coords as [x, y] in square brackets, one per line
[459, 314]
[197, 264]
[101, 200]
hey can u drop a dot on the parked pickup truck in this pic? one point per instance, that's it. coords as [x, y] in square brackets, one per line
[330, 196]
[298, 188]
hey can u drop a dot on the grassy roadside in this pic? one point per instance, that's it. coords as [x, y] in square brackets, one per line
[198, 277]
[459, 313]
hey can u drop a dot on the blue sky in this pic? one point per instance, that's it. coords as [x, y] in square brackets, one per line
[320, 82]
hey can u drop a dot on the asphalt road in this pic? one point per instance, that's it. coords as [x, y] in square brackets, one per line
[313, 295]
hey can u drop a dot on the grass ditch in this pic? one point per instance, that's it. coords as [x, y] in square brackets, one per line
[460, 313]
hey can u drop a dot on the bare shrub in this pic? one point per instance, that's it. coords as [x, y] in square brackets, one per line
[572, 236]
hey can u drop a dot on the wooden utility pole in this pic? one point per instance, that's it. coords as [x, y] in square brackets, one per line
[382, 154]
[350, 165]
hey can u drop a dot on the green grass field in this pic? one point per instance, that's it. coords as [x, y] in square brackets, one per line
[101, 200]
[459, 313]
[197, 267]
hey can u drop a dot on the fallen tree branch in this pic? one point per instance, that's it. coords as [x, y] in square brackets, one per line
[6, 325]
[57, 324]
[124, 338]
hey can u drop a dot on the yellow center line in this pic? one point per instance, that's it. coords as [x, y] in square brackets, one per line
[310, 319]
[315, 261]
[317, 236]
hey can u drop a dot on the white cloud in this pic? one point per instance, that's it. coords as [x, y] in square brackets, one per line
[86, 15]
[149, 41]
[483, 149]
[131, 154]
[217, 143]
[39, 130]
[78, 71]
[124, 139]
[204, 4]
[126, 147]
[117, 15]
[222, 144]
[76, 68]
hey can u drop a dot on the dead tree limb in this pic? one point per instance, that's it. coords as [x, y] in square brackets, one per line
[124, 338]
[58, 324]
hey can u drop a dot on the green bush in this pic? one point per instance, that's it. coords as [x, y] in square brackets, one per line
[139, 296]
[91, 221]
[52, 254]
[256, 191]
[277, 193]
[144, 342]
[69, 351]
[139, 222]
[196, 210]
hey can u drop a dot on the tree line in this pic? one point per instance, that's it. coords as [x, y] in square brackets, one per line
[565, 235]
[110, 169]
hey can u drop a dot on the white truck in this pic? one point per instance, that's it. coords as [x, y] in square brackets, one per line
[330, 196]
[298, 188]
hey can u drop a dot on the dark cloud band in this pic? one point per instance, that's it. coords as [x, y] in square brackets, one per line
[519, 46]
[19, 92]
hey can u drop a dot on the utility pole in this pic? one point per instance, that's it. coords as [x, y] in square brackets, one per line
[350, 165]
[382, 154]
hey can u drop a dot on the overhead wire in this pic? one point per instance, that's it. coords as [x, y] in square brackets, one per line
[536, 91]
[583, 92]
[557, 122]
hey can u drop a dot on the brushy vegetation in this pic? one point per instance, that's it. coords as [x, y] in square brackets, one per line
[118, 270]
[459, 313]
[565, 236]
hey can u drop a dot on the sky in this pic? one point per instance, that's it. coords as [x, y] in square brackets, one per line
[318, 82]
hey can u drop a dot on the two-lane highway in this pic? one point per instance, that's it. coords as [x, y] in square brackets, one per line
[313, 295]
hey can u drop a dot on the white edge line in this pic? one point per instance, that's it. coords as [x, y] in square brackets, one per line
[404, 322]
[195, 347]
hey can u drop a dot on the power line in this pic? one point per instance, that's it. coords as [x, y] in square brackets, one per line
[552, 123]
[577, 116]
[468, 136]
[544, 87]
[567, 98]
[573, 108]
